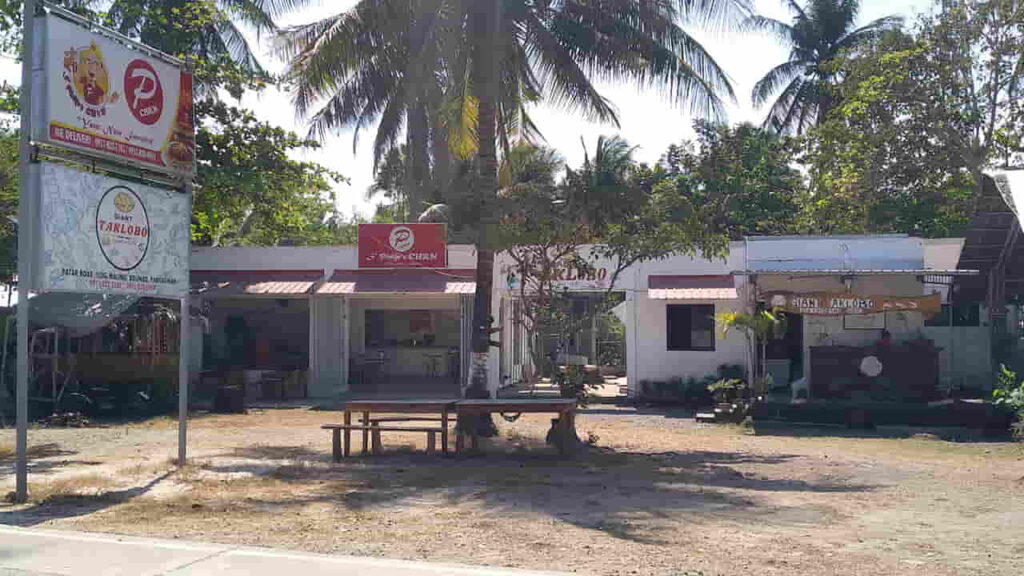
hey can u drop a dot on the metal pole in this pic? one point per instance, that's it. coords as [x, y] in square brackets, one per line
[25, 228]
[184, 337]
[184, 327]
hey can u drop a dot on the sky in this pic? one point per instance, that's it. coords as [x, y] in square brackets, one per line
[647, 120]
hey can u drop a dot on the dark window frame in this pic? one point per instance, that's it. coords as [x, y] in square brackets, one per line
[680, 337]
[966, 315]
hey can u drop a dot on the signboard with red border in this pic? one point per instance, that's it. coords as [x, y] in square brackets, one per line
[105, 97]
[403, 246]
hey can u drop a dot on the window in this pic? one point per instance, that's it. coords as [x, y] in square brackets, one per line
[691, 326]
[964, 315]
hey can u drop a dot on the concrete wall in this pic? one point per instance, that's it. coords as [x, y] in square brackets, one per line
[328, 374]
[965, 360]
[647, 354]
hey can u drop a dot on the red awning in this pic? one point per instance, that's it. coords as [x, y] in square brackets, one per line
[691, 287]
[239, 282]
[400, 281]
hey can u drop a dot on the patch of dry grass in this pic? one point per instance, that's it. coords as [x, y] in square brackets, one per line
[83, 485]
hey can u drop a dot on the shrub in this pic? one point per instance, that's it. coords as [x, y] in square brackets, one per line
[1009, 393]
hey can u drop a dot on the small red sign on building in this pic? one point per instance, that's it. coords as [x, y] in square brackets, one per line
[403, 246]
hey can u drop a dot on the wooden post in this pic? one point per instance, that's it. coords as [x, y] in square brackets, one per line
[377, 445]
[444, 431]
[366, 433]
[348, 433]
[336, 444]
[431, 438]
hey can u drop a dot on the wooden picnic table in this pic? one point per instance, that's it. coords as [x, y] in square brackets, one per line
[442, 407]
[564, 407]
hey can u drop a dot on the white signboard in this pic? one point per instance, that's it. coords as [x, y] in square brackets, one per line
[101, 234]
[107, 98]
[565, 278]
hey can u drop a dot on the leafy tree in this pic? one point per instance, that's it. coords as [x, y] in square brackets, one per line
[744, 176]
[967, 82]
[281, 201]
[875, 164]
[926, 115]
[821, 30]
[610, 213]
[10, 179]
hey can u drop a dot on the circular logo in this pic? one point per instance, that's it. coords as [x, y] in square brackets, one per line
[870, 366]
[122, 228]
[402, 239]
[143, 92]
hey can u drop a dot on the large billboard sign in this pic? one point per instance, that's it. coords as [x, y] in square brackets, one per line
[403, 246]
[106, 235]
[106, 97]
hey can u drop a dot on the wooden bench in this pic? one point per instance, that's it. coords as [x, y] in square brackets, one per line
[375, 429]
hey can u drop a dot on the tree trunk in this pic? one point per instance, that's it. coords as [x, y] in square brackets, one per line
[418, 160]
[485, 75]
[441, 173]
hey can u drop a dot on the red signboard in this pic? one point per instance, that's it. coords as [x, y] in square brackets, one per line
[403, 246]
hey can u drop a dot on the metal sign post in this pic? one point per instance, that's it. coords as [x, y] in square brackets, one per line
[25, 222]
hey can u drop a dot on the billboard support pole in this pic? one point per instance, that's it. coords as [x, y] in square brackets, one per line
[25, 231]
[184, 327]
[184, 339]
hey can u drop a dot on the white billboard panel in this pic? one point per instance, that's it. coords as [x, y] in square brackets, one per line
[106, 235]
[106, 97]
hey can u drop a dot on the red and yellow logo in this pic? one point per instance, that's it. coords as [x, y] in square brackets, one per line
[87, 80]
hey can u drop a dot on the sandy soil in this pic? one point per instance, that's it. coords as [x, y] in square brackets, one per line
[657, 494]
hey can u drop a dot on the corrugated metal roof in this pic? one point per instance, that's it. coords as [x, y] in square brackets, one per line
[694, 287]
[254, 282]
[400, 281]
[845, 272]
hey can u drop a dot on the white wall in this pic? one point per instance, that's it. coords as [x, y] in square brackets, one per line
[328, 373]
[965, 358]
[647, 354]
[653, 360]
[328, 258]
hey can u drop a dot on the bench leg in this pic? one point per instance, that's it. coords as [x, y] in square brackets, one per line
[366, 434]
[336, 444]
[444, 432]
[431, 438]
[348, 433]
[377, 446]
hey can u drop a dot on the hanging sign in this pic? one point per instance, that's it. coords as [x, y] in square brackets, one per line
[403, 246]
[105, 97]
[829, 304]
[105, 235]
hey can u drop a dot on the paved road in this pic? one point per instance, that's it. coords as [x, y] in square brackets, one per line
[25, 552]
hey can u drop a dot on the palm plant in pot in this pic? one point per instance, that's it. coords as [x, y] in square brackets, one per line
[758, 327]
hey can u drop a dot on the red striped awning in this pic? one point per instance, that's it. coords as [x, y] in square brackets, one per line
[254, 282]
[678, 287]
[400, 281]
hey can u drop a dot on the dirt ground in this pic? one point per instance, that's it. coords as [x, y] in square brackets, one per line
[656, 494]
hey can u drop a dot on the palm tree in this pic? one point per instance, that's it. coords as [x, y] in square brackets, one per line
[213, 36]
[821, 31]
[481, 63]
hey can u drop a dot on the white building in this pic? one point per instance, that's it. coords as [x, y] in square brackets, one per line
[406, 332]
